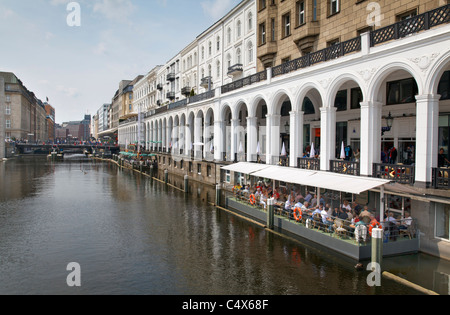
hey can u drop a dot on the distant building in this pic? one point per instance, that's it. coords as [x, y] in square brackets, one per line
[25, 117]
[75, 130]
[50, 112]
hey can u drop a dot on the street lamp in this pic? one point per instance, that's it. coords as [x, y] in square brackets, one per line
[389, 124]
[287, 127]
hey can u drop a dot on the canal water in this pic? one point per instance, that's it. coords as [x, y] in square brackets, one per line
[131, 235]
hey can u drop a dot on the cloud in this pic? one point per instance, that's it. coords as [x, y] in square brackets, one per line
[58, 2]
[6, 13]
[216, 9]
[100, 49]
[67, 91]
[116, 10]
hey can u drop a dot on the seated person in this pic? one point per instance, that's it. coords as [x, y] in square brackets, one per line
[406, 222]
[342, 214]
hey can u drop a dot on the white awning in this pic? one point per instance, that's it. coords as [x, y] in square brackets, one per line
[321, 179]
[245, 167]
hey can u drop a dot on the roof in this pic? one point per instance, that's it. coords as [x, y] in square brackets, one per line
[322, 179]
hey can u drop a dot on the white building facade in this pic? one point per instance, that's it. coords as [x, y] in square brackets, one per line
[371, 96]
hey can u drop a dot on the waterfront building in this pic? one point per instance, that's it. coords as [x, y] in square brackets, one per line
[103, 118]
[75, 130]
[94, 126]
[145, 92]
[24, 114]
[50, 112]
[376, 88]
[2, 118]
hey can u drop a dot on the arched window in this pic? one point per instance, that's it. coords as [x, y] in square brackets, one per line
[209, 49]
[229, 36]
[250, 21]
[250, 52]
[239, 28]
[203, 53]
[238, 56]
[209, 70]
[218, 69]
[218, 43]
[229, 61]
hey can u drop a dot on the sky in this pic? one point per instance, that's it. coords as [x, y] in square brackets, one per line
[79, 67]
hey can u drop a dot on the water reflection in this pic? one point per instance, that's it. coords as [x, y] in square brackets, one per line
[134, 236]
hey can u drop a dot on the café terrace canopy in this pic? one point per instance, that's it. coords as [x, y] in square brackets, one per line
[332, 181]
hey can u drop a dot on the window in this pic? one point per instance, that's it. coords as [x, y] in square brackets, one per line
[273, 30]
[239, 28]
[8, 98]
[250, 21]
[209, 49]
[218, 43]
[8, 109]
[300, 13]
[218, 69]
[406, 15]
[286, 25]
[444, 86]
[250, 52]
[8, 124]
[229, 61]
[228, 176]
[262, 32]
[199, 169]
[402, 91]
[314, 17]
[203, 53]
[238, 56]
[334, 6]
[229, 36]
[262, 4]
[341, 100]
[356, 98]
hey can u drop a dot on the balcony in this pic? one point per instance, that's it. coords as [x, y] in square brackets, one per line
[206, 82]
[403, 174]
[441, 178]
[345, 167]
[235, 70]
[186, 91]
[171, 76]
[308, 164]
[159, 102]
[306, 35]
[170, 95]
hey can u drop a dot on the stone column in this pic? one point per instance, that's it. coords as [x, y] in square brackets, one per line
[235, 123]
[370, 151]
[274, 139]
[197, 137]
[219, 146]
[188, 139]
[328, 136]
[2, 118]
[252, 141]
[296, 137]
[427, 126]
